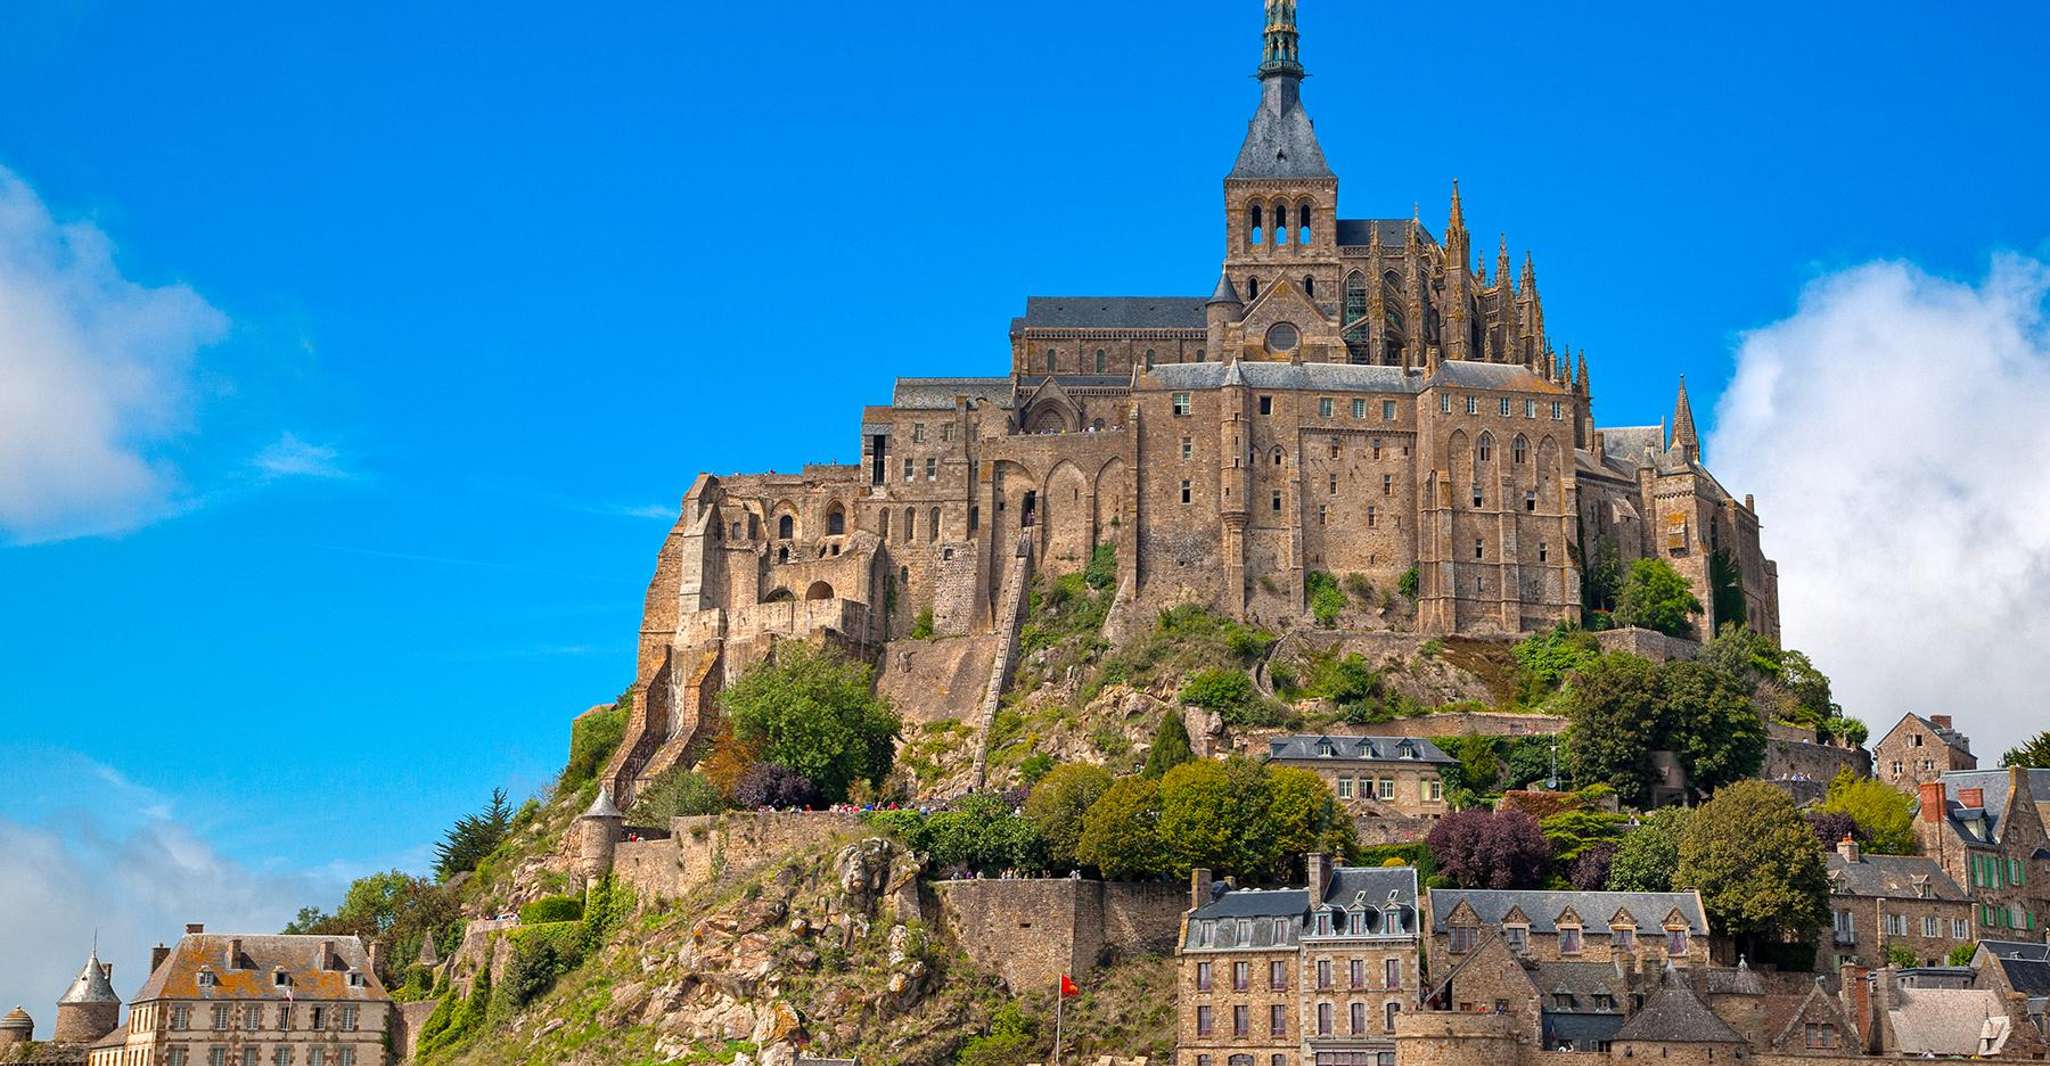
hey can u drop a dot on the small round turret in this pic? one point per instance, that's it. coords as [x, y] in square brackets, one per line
[16, 1029]
[598, 836]
[89, 1009]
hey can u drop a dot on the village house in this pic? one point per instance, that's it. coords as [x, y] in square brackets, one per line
[1312, 976]
[1570, 925]
[1918, 750]
[2019, 973]
[1879, 902]
[1986, 828]
[254, 1000]
[1391, 785]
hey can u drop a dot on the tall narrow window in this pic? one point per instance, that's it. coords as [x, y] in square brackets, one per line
[1252, 289]
[1051, 360]
[1517, 450]
[1254, 234]
[1309, 283]
[933, 527]
[1303, 237]
[1356, 307]
[1100, 361]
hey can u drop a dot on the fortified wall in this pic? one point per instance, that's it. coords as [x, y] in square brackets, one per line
[1033, 930]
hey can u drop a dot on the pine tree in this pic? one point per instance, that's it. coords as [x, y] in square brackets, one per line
[473, 837]
[1170, 746]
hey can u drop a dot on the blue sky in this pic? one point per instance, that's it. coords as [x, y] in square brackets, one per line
[448, 302]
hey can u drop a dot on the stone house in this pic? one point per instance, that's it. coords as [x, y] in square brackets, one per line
[1315, 976]
[1570, 926]
[1986, 828]
[2019, 973]
[1391, 785]
[1882, 901]
[1918, 750]
[1351, 397]
[255, 1000]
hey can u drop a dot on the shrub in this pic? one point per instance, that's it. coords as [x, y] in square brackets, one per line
[1656, 596]
[1223, 691]
[813, 712]
[1544, 659]
[592, 740]
[766, 784]
[921, 626]
[1102, 571]
[1961, 955]
[1407, 583]
[1883, 814]
[1326, 600]
[552, 909]
[678, 793]
[1035, 767]
[1484, 849]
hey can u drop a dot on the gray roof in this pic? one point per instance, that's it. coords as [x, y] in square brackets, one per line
[937, 394]
[2018, 949]
[1951, 737]
[1994, 783]
[1584, 1030]
[2030, 977]
[91, 985]
[1256, 903]
[1115, 312]
[1365, 886]
[1943, 1021]
[1330, 377]
[1225, 292]
[1625, 445]
[1473, 374]
[1320, 747]
[1281, 142]
[1581, 980]
[1372, 887]
[1675, 1015]
[1543, 907]
[602, 806]
[1394, 231]
[1892, 877]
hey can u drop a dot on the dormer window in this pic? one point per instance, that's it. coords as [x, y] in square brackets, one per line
[279, 979]
[1325, 749]
[355, 979]
[206, 977]
[1516, 936]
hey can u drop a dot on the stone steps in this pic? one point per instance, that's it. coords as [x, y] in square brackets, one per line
[1011, 606]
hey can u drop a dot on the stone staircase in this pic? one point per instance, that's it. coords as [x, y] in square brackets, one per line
[1010, 606]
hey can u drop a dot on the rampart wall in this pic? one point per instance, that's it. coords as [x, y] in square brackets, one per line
[706, 847]
[1032, 930]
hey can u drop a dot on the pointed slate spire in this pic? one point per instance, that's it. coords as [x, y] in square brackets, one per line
[1529, 272]
[1457, 223]
[91, 985]
[1581, 385]
[1684, 437]
[1281, 142]
[1226, 293]
[603, 807]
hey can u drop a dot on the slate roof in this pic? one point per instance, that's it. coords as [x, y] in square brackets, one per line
[1595, 908]
[1674, 1015]
[1256, 903]
[1581, 980]
[602, 806]
[1943, 1021]
[1468, 373]
[1115, 312]
[1394, 231]
[1995, 785]
[1623, 446]
[2018, 949]
[1281, 142]
[1327, 377]
[91, 985]
[1892, 877]
[2026, 965]
[1585, 1031]
[253, 976]
[937, 394]
[1949, 736]
[1313, 747]
[1369, 886]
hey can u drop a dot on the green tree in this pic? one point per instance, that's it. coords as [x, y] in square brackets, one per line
[1840, 727]
[473, 836]
[1059, 803]
[593, 737]
[1304, 815]
[1961, 955]
[1327, 601]
[1757, 865]
[1121, 832]
[813, 712]
[1705, 718]
[1611, 704]
[1601, 578]
[1214, 814]
[1749, 657]
[2035, 752]
[1809, 687]
[1649, 854]
[981, 832]
[1726, 586]
[1655, 596]
[1170, 746]
[1407, 583]
[1885, 815]
[678, 792]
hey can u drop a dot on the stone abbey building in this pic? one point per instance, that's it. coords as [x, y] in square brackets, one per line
[1354, 396]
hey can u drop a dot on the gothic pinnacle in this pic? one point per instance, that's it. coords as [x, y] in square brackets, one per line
[1458, 221]
[1502, 261]
[1279, 53]
[1684, 436]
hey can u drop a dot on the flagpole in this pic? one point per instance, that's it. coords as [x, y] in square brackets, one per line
[1060, 1000]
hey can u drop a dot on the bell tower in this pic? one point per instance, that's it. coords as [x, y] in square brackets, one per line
[1281, 198]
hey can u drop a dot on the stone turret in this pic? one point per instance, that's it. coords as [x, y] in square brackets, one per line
[598, 837]
[89, 1009]
[1223, 309]
[16, 1029]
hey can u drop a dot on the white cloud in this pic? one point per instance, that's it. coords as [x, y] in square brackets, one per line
[1896, 432]
[95, 375]
[288, 456]
[107, 858]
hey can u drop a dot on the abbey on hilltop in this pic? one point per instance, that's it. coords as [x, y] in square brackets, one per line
[1354, 396]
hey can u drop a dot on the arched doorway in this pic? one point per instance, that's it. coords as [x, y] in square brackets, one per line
[819, 590]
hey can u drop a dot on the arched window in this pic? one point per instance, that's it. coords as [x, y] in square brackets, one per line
[1356, 307]
[1309, 285]
[1277, 457]
[736, 531]
[1100, 361]
[1280, 225]
[1303, 224]
[1149, 358]
[1252, 289]
[754, 525]
[1050, 364]
[910, 524]
[932, 529]
[786, 527]
[1485, 450]
[836, 521]
[1253, 231]
[1518, 449]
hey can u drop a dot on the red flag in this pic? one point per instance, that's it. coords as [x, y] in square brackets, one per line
[1068, 987]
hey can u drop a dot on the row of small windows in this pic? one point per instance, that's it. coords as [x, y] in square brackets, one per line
[1050, 362]
[1324, 1058]
[1503, 406]
[341, 1017]
[1277, 1021]
[251, 1055]
[1269, 224]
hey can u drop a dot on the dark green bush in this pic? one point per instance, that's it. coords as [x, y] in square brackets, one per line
[552, 909]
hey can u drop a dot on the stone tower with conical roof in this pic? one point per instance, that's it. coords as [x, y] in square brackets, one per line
[89, 1009]
[16, 1029]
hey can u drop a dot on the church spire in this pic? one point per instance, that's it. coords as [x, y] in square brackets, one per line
[1502, 262]
[1457, 223]
[1684, 437]
[1279, 56]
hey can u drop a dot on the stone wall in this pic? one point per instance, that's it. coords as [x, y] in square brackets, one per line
[706, 847]
[1650, 644]
[1485, 723]
[407, 1019]
[1032, 930]
[1805, 760]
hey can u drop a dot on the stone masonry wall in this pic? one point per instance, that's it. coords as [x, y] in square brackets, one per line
[932, 680]
[706, 847]
[1032, 930]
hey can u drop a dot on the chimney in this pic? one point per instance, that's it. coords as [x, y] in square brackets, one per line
[327, 955]
[1971, 797]
[377, 950]
[194, 928]
[234, 953]
[1848, 848]
[1940, 721]
[1857, 993]
[1319, 869]
[1932, 801]
[157, 955]
[1199, 887]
